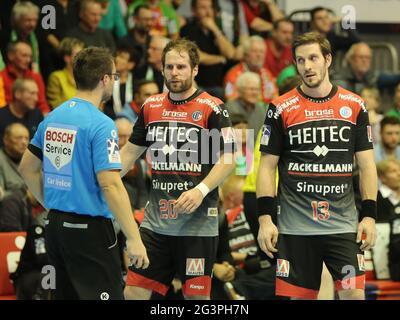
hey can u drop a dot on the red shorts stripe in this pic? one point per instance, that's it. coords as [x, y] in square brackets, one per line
[286, 289]
[351, 283]
[137, 280]
[199, 286]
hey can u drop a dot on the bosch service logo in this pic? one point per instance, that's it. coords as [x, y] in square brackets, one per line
[197, 115]
[346, 112]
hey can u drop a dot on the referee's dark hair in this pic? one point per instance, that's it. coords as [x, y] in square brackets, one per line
[310, 38]
[90, 65]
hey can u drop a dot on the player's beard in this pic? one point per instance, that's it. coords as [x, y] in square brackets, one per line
[316, 84]
[179, 87]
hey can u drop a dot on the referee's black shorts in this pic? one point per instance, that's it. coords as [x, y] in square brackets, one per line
[84, 251]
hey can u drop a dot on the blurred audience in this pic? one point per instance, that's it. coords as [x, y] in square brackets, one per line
[279, 47]
[61, 84]
[359, 73]
[152, 70]
[248, 103]
[112, 19]
[88, 28]
[260, 15]
[388, 147]
[23, 109]
[138, 37]
[15, 214]
[372, 100]
[388, 200]
[215, 48]
[254, 50]
[19, 59]
[165, 21]
[395, 110]
[323, 21]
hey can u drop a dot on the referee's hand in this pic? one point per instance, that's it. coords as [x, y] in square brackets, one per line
[137, 254]
[267, 236]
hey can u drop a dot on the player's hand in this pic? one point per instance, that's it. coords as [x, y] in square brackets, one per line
[224, 271]
[188, 201]
[267, 236]
[137, 254]
[367, 227]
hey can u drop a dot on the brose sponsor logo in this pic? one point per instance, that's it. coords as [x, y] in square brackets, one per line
[320, 168]
[323, 189]
[324, 113]
[171, 186]
[319, 134]
[174, 114]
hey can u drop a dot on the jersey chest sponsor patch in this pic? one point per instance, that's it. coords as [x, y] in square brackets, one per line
[59, 143]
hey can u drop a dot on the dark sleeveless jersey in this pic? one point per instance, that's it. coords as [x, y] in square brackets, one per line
[184, 139]
[316, 140]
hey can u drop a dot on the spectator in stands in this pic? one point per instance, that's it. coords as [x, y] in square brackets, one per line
[388, 147]
[88, 29]
[231, 18]
[19, 58]
[165, 21]
[125, 61]
[372, 100]
[388, 201]
[248, 102]
[323, 21]
[143, 89]
[260, 15]
[67, 17]
[395, 111]
[112, 19]
[23, 109]
[14, 205]
[138, 37]
[61, 84]
[359, 73]
[254, 50]
[214, 47]
[152, 69]
[24, 20]
[279, 47]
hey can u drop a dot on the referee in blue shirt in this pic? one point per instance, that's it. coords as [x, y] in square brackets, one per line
[72, 167]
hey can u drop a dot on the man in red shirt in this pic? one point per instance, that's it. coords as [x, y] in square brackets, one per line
[254, 54]
[19, 59]
[279, 52]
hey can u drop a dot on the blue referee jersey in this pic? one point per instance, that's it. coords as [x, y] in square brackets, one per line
[76, 141]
